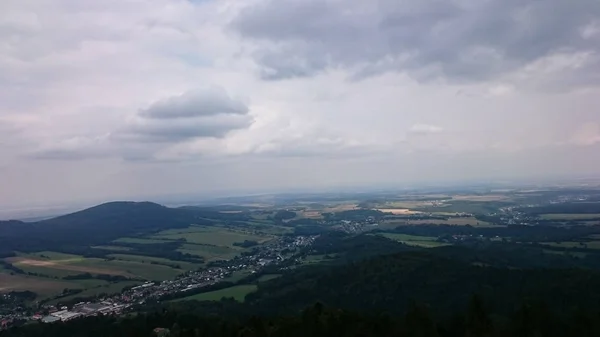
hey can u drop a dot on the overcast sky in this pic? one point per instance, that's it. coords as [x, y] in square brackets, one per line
[132, 98]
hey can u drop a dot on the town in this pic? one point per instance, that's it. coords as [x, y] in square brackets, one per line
[275, 253]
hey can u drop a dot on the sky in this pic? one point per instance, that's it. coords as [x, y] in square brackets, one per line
[119, 99]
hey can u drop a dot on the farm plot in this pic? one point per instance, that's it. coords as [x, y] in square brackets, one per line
[61, 265]
[208, 252]
[44, 287]
[413, 240]
[237, 292]
[217, 236]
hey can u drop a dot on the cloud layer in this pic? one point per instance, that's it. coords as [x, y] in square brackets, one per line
[454, 40]
[134, 98]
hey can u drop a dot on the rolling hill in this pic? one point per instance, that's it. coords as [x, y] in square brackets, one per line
[97, 224]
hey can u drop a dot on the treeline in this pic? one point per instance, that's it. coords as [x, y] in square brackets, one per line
[17, 297]
[515, 232]
[351, 248]
[10, 267]
[564, 208]
[354, 215]
[387, 283]
[323, 321]
[246, 243]
[103, 277]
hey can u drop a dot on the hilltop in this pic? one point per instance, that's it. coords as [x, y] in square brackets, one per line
[97, 224]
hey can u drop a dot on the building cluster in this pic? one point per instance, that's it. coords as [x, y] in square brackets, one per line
[260, 257]
[82, 310]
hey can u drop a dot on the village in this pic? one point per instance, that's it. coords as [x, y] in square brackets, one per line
[274, 253]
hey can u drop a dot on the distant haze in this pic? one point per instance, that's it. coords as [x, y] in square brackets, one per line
[103, 100]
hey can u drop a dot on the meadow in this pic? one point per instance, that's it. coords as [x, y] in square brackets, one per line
[237, 292]
[217, 236]
[58, 265]
[413, 240]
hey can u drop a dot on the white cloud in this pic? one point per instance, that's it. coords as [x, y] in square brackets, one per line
[425, 128]
[104, 95]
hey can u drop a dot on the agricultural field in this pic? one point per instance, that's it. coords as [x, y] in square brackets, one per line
[44, 287]
[268, 277]
[58, 265]
[106, 288]
[464, 221]
[482, 198]
[217, 236]
[113, 248]
[237, 292]
[138, 240]
[155, 260]
[237, 275]
[413, 240]
[209, 253]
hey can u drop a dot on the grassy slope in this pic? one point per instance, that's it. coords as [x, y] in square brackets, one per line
[237, 292]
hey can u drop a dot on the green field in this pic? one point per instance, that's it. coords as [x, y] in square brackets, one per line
[44, 287]
[413, 240]
[237, 275]
[209, 253]
[159, 260]
[217, 236]
[59, 265]
[107, 288]
[237, 292]
[138, 240]
[268, 277]
[569, 216]
[113, 248]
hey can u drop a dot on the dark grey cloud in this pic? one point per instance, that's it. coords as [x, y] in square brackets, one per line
[204, 113]
[173, 131]
[459, 40]
[207, 102]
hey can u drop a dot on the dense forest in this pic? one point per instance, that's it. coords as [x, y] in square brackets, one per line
[319, 320]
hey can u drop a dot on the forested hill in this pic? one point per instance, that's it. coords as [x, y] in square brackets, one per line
[388, 283]
[100, 224]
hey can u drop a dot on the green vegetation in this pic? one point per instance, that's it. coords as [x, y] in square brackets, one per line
[237, 276]
[573, 216]
[268, 277]
[412, 240]
[138, 240]
[465, 206]
[236, 292]
[571, 244]
[113, 248]
[217, 236]
[208, 252]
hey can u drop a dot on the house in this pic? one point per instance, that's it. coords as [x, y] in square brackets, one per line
[161, 332]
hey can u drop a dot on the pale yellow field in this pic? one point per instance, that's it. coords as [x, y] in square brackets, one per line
[311, 214]
[340, 208]
[400, 211]
[490, 197]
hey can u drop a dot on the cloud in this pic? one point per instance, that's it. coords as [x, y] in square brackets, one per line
[459, 41]
[199, 113]
[196, 103]
[183, 118]
[425, 128]
[588, 134]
